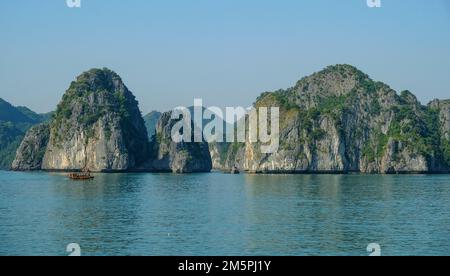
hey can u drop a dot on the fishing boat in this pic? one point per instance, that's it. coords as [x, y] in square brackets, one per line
[81, 176]
[84, 175]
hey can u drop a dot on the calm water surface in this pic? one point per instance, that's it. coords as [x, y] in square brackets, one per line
[217, 214]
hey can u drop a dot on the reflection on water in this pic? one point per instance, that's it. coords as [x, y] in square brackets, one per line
[217, 214]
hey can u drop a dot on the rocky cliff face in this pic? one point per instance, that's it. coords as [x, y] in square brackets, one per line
[32, 149]
[169, 156]
[339, 120]
[335, 121]
[151, 119]
[442, 108]
[218, 152]
[97, 126]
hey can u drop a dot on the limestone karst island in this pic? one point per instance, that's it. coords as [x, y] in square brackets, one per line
[337, 120]
[237, 130]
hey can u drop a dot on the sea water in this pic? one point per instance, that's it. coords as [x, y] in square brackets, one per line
[221, 214]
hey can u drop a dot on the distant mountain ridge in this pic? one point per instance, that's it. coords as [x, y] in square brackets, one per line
[9, 113]
[14, 123]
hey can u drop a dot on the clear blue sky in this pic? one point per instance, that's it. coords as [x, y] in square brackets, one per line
[224, 51]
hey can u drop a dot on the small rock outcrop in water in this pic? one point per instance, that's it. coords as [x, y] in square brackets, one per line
[339, 120]
[97, 126]
[169, 156]
[32, 149]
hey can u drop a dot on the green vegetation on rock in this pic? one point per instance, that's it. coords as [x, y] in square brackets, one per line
[14, 123]
[339, 119]
[98, 109]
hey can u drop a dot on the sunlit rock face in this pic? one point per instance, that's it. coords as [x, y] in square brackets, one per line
[339, 120]
[97, 126]
[183, 157]
[32, 149]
